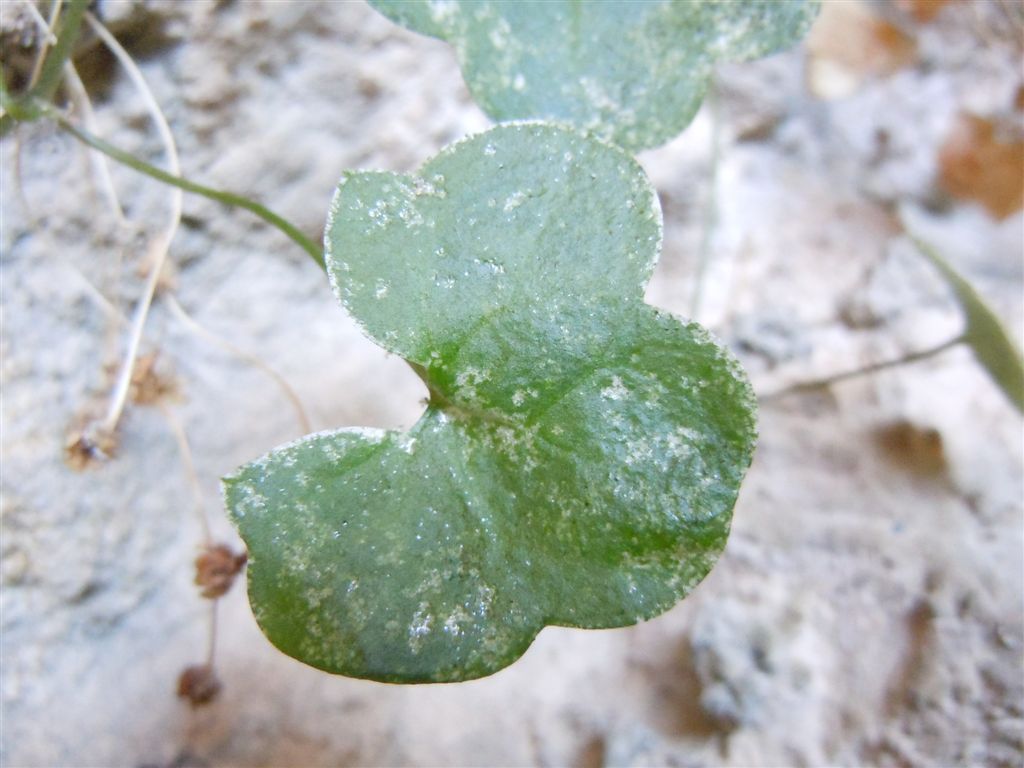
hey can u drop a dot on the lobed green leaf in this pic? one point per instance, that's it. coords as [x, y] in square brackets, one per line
[632, 71]
[581, 452]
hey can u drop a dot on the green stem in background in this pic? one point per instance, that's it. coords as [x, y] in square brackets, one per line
[227, 198]
[913, 357]
[53, 68]
[48, 38]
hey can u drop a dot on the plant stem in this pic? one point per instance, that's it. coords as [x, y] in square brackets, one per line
[160, 245]
[827, 381]
[46, 27]
[185, 319]
[227, 198]
[190, 471]
[80, 98]
[52, 71]
[211, 637]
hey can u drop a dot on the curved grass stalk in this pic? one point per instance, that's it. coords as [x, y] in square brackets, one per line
[115, 315]
[211, 635]
[45, 26]
[49, 39]
[80, 98]
[101, 171]
[36, 104]
[189, 322]
[204, 521]
[159, 245]
[190, 470]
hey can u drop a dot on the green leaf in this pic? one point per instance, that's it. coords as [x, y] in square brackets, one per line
[580, 455]
[984, 333]
[632, 71]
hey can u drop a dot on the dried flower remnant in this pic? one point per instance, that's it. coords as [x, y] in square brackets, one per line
[149, 385]
[87, 446]
[199, 684]
[216, 569]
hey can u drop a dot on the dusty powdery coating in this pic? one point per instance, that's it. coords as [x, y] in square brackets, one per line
[633, 71]
[581, 452]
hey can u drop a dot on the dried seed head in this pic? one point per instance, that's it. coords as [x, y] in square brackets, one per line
[216, 568]
[85, 447]
[199, 684]
[150, 385]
